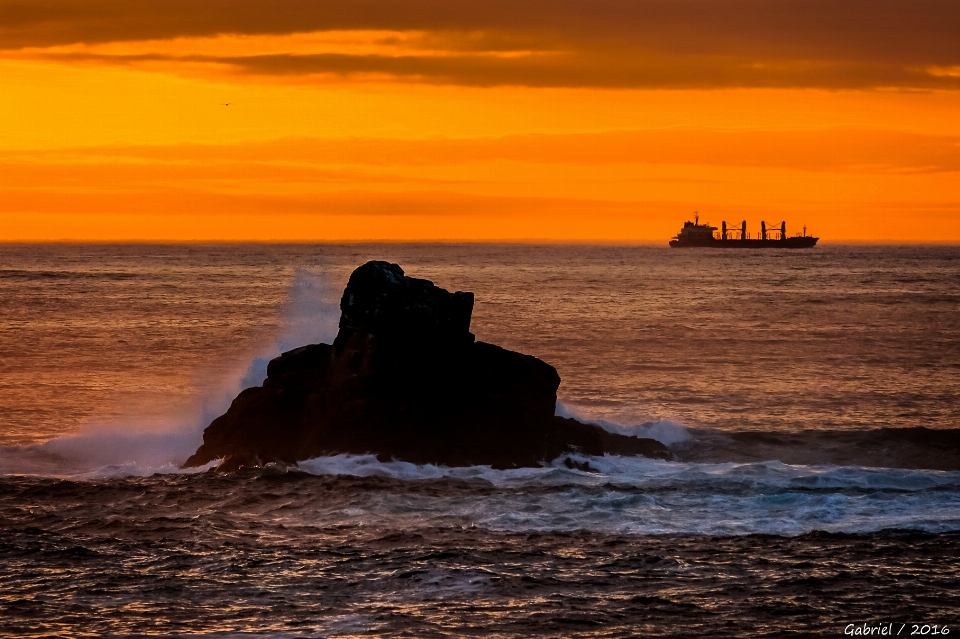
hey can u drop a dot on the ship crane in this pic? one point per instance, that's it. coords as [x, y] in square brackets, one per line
[783, 230]
[742, 230]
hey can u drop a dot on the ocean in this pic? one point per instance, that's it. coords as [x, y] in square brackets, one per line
[811, 400]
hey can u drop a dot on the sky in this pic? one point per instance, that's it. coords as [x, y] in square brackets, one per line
[559, 120]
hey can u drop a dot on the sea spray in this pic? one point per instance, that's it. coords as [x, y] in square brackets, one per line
[310, 316]
[134, 445]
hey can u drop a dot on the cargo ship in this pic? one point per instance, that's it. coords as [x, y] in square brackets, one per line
[696, 234]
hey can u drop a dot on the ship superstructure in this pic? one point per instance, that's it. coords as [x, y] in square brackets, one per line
[695, 234]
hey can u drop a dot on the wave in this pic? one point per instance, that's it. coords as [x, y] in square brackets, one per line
[642, 496]
[916, 447]
[619, 496]
[890, 447]
[666, 432]
[616, 495]
[103, 453]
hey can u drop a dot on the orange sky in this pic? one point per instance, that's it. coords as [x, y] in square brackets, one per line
[411, 119]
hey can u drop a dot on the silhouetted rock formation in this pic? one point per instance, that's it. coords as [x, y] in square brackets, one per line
[405, 379]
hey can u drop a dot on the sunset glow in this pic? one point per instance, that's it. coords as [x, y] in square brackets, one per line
[409, 120]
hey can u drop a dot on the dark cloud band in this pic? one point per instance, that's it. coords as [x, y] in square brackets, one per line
[605, 43]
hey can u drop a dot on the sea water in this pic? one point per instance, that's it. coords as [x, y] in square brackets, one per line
[811, 399]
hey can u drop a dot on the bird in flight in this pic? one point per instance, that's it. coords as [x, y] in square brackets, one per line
[226, 103]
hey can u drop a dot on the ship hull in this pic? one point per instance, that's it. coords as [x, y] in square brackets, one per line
[790, 243]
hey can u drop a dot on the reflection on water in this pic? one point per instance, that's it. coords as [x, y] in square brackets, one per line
[811, 398]
[161, 336]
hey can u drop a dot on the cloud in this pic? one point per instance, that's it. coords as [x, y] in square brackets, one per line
[540, 43]
[856, 149]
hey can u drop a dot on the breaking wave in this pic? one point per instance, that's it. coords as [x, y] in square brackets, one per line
[622, 495]
[717, 486]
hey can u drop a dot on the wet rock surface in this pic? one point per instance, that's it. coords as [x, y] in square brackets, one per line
[405, 379]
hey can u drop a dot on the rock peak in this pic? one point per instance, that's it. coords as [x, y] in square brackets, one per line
[382, 301]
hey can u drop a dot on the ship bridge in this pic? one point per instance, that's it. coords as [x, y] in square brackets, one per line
[696, 232]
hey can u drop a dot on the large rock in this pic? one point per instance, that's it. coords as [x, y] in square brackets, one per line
[405, 379]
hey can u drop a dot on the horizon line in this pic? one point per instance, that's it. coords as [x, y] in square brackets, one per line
[519, 241]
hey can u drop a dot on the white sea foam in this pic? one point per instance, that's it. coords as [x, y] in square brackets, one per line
[616, 495]
[643, 496]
